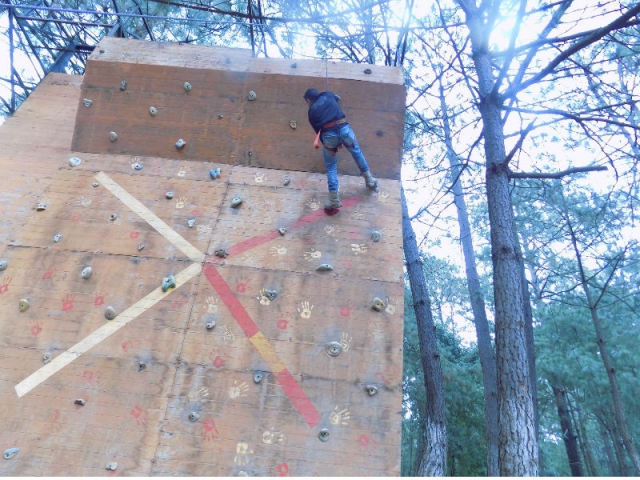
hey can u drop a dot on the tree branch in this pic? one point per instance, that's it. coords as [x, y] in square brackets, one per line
[620, 22]
[563, 173]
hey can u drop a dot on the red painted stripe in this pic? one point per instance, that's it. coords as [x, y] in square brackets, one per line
[233, 304]
[286, 380]
[302, 222]
[298, 398]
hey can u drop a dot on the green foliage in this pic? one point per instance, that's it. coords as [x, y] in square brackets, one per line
[463, 384]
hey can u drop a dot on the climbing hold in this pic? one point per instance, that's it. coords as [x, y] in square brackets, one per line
[80, 401]
[140, 247]
[287, 180]
[257, 376]
[271, 294]
[235, 202]
[375, 236]
[379, 133]
[57, 237]
[215, 173]
[221, 252]
[168, 282]
[3, 265]
[41, 206]
[294, 65]
[101, 50]
[191, 222]
[333, 349]
[377, 304]
[113, 216]
[24, 304]
[250, 153]
[142, 366]
[153, 111]
[367, 71]
[210, 324]
[325, 267]
[74, 161]
[371, 390]
[180, 143]
[136, 166]
[9, 453]
[111, 466]
[123, 85]
[168, 195]
[113, 136]
[95, 184]
[282, 230]
[87, 102]
[324, 435]
[252, 96]
[46, 358]
[187, 86]
[193, 416]
[110, 313]
[293, 124]
[86, 273]
[220, 115]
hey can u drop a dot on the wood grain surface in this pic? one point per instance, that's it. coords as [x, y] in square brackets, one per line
[165, 394]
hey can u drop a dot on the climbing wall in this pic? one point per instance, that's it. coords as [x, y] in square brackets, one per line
[244, 340]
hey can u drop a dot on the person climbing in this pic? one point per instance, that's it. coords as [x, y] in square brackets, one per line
[329, 122]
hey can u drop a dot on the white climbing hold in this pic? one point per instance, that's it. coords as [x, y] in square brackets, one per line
[74, 161]
[9, 453]
[86, 273]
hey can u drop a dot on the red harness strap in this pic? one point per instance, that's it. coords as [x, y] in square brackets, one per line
[316, 145]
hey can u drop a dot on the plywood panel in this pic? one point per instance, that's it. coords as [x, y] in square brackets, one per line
[256, 133]
[142, 380]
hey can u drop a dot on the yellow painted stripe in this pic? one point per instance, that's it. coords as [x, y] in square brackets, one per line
[104, 332]
[267, 352]
[151, 218]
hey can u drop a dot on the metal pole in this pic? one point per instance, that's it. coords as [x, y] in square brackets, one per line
[12, 76]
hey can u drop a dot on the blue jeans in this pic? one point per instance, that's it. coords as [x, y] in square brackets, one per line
[332, 138]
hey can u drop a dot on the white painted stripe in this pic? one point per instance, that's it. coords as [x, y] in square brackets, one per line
[104, 332]
[151, 218]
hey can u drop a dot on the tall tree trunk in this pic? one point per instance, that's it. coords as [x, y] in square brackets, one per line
[517, 446]
[434, 459]
[570, 440]
[618, 408]
[485, 348]
[612, 461]
[583, 440]
[528, 331]
[610, 425]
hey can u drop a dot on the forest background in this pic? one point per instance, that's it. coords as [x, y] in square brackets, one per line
[520, 192]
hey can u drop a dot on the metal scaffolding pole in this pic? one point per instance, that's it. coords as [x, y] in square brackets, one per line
[11, 66]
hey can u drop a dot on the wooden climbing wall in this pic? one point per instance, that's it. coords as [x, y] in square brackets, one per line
[230, 372]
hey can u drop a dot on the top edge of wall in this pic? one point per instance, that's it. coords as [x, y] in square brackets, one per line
[236, 60]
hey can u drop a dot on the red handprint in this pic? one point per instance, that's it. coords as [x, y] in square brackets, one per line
[5, 285]
[140, 415]
[67, 302]
[210, 430]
